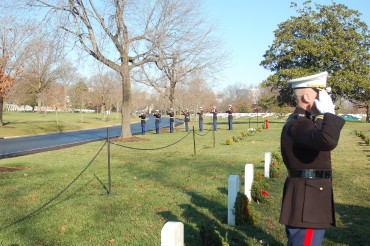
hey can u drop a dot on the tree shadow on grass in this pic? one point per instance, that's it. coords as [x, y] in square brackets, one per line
[353, 227]
[238, 235]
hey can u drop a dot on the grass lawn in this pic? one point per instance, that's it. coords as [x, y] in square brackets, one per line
[32, 123]
[151, 187]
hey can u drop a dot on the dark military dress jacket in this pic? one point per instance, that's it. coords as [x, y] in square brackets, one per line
[214, 112]
[187, 116]
[306, 143]
[157, 118]
[172, 116]
[200, 113]
[142, 117]
[229, 114]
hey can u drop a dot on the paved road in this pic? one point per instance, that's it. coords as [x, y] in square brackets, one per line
[11, 147]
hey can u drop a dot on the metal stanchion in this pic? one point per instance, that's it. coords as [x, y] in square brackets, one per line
[109, 190]
[109, 175]
[195, 151]
[214, 139]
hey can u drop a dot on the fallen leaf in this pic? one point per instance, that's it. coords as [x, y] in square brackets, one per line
[111, 241]
[63, 228]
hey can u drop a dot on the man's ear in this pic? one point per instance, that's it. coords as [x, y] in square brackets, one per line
[306, 98]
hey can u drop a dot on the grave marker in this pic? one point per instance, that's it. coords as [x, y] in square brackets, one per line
[172, 234]
[248, 181]
[233, 189]
[267, 164]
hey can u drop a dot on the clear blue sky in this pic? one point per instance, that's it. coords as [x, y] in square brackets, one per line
[247, 26]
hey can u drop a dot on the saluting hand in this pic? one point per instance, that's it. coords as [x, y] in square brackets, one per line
[325, 103]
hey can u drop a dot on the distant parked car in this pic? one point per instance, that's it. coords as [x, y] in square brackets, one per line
[350, 117]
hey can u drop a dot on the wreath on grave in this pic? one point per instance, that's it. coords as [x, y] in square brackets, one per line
[259, 189]
[242, 210]
[211, 236]
[277, 165]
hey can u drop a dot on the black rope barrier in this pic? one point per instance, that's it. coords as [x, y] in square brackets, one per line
[205, 133]
[56, 196]
[128, 147]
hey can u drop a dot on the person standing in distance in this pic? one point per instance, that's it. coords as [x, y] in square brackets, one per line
[230, 117]
[186, 119]
[214, 117]
[157, 121]
[172, 120]
[200, 113]
[307, 138]
[142, 116]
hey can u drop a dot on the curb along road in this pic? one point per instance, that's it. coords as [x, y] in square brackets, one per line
[18, 146]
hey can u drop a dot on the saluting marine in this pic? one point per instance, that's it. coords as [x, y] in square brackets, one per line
[214, 117]
[230, 117]
[142, 116]
[307, 138]
[200, 113]
[186, 119]
[157, 121]
[172, 120]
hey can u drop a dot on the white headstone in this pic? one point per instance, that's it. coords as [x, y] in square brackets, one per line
[267, 164]
[172, 234]
[233, 189]
[249, 177]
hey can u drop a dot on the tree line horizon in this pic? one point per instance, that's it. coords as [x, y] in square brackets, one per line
[169, 47]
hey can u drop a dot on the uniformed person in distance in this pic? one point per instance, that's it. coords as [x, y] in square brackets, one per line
[186, 115]
[142, 116]
[200, 113]
[230, 117]
[172, 120]
[157, 121]
[307, 138]
[214, 117]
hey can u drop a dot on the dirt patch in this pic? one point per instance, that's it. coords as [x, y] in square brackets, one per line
[11, 169]
[131, 139]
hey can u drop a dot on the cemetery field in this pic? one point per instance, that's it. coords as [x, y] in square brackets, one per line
[151, 187]
[32, 123]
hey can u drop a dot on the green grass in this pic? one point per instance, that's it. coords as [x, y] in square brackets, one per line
[31, 123]
[154, 186]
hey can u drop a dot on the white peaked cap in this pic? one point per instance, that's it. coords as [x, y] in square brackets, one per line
[230, 105]
[313, 81]
[157, 110]
[200, 107]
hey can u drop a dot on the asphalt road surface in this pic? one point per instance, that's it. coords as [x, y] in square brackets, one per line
[18, 146]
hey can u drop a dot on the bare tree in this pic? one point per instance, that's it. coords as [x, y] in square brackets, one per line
[13, 41]
[44, 64]
[194, 50]
[122, 34]
[103, 88]
[79, 97]
[55, 97]
[199, 94]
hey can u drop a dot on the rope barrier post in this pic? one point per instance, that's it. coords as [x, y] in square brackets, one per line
[214, 139]
[109, 176]
[195, 151]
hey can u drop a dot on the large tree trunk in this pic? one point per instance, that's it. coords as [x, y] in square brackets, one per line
[126, 105]
[172, 93]
[367, 114]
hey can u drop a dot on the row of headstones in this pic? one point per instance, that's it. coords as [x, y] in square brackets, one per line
[172, 233]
